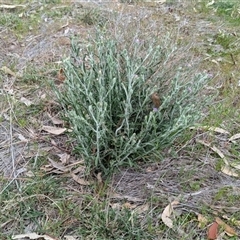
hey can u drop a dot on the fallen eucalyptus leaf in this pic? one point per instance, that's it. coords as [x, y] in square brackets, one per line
[67, 237]
[234, 137]
[79, 180]
[61, 76]
[237, 166]
[167, 213]
[202, 221]
[229, 171]
[26, 101]
[55, 120]
[218, 130]
[229, 230]
[54, 130]
[213, 129]
[64, 158]
[213, 231]
[128, 205]
[142, 208]
[33, 236]
[6, 6]
[22, 138]
[8, 71]
[59, 166]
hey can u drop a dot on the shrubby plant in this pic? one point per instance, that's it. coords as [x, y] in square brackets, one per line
[108, 98]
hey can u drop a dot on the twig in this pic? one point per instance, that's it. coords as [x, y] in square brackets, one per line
[234, 62]
[11, 146]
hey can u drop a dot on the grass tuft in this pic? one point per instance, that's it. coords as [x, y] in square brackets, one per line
[128, 99]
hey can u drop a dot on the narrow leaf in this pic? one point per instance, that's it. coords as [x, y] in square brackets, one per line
[58, 166]
[229, 230]
[213, 129]
[55, 120]
[79, 180]
[54, 130]
[26, 101]
[234, 137]
[6, 6]
[229, 171]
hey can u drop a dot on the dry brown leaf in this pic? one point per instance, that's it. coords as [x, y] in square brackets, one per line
[61, 76]
[6, 6]
[59, 166]
[213, 231]
[218, 130]
[79, 180]
[67, 237]
[234, 137]
[2, 225]
[22, 138]
[237, 166]
[64, 158]
[55, 120]
[99, 177]
[210, 3]
[233, 220]
[80, 169]
[167, 213]
[26, 101]
[129, 205]
[115, 206]
[21, 170]
[142, 208]
[214, 61]
[47, 168]
[33, 236]
[29, 174]
[202, 221]
[229, 230]
[54, 130]
[8, 71]
[229, 171]
[76, 163]
[156, 100]
[43, 96]
[213, 129]
[216, 150]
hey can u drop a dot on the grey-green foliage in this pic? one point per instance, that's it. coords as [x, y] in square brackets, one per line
[107, 100]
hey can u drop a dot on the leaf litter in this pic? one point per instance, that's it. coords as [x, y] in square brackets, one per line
[167, 212]
[33, 236]
[54, 130]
